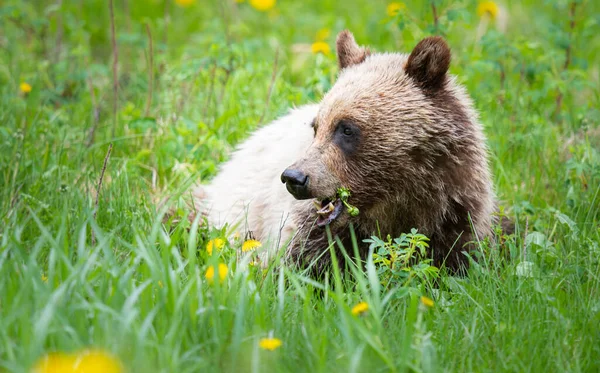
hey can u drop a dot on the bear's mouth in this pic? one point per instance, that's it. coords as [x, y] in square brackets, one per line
[328, 210]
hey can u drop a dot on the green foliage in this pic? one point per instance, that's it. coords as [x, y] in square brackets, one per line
[402, 260]
[219, 70]
[344, 194]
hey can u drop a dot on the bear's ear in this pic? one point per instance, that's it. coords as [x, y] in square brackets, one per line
[428, 63]
[348, 52]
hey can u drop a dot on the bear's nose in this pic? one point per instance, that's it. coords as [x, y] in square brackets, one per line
[296, 183]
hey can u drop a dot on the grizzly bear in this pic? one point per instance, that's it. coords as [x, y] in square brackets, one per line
[397, 131]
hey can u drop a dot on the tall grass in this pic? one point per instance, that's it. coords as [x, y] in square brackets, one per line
[140, 290]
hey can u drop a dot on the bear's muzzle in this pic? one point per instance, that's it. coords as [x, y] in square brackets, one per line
[296, 183]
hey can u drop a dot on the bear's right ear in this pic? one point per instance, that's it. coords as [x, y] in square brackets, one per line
[428, 63]
[348, 52]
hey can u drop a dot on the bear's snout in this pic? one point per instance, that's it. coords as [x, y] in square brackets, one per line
[296, 183]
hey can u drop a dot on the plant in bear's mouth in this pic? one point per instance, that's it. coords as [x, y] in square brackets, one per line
[329, 209]
[344, 193]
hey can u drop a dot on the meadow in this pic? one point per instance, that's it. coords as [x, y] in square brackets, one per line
[108, 106]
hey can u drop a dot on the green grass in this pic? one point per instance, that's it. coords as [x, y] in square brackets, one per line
[139, 291]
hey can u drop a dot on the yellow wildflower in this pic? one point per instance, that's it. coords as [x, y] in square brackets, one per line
[394, 8]
[94, 361]
[25, 87]
[323, 34]
[210, 273]
[217, 243]
[87, 361]
[185, 3]
[488, 8]
[427, 302]
[360, 308]
[44, 278]
[250, 245]
[263, 5]
[320, 47]
[55, 363]
[270, 343]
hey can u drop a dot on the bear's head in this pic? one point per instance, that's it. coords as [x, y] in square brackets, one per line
[396, 130]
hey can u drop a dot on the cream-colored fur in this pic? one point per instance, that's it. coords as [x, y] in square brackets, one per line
[247, 193]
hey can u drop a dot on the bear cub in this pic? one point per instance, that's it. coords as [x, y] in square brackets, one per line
[397, 131]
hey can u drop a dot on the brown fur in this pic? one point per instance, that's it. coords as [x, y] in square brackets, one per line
[349, 53]
[420, 160]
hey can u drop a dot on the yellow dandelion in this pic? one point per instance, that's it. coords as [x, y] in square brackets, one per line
[210, 273]
[263, 5]
[87, 361]
[56, 362]
[394, 8]
[25, 87]
[360, 308]
[270, 343]
[323, 34]
[44, 278]
[95, 361]
[427, 302]
[251, 245]
[185, 3]
[217, 243]
[320, 47]
[488, 8]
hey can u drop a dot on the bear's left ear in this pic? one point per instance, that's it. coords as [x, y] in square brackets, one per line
[348, 52]
[428, 63]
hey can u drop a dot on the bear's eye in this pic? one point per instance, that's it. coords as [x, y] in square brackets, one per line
[347, 136]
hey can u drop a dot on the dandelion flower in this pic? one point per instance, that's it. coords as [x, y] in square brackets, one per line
[427, 302]
[185, 3]
[270, 343]
[394, 8]
[250, 245]
[87, 361]
[217, 243]
[55, 363]
[210, 273]
[263, 5]
[360, 308]
[488, 8]
[25, 87]
[95, 361]
[320, 47]
[489, 11]
[323, 34]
